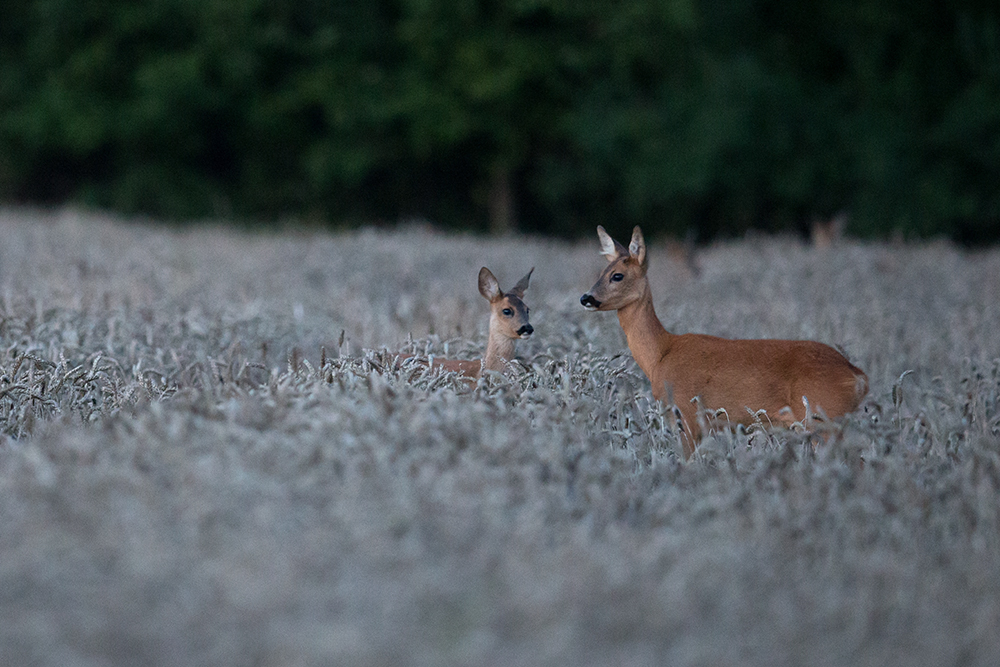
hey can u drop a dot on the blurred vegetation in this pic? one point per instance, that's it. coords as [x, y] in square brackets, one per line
[546, 115]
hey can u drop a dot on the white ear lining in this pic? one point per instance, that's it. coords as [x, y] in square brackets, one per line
[637, 246]
[608, 248]
[488, 285]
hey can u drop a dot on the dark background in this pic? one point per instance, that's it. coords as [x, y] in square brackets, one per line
[688, 117]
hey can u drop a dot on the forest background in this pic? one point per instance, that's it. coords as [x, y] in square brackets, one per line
[689, 117]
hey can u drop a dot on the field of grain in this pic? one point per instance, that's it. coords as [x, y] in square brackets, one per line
[204, 458]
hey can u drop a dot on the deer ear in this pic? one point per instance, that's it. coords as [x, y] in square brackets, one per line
[610, 248]
[488, 285]
[637, 247]
[522, 284]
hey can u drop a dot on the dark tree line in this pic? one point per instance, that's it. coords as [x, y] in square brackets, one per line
[548, 115]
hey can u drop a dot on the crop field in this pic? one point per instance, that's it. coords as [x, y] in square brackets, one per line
[207, 457]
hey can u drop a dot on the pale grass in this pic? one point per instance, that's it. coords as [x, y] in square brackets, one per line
[208, 459]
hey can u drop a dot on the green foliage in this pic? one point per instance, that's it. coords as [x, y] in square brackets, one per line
[552, 115]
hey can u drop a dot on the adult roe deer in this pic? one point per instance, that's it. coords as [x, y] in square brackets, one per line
[789, 379]
[508, 324]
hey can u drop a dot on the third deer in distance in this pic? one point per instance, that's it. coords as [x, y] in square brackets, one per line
[791, 380]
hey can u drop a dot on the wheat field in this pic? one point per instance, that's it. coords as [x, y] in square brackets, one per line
[206, 458]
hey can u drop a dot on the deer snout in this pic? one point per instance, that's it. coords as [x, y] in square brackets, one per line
[525, 331]
[589, 302]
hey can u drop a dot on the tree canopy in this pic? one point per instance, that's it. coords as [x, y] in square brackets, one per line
[548, 116]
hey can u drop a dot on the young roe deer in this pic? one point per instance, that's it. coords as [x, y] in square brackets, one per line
[791, 380]
[508, 323]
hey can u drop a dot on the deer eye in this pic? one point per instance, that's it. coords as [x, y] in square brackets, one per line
[508, 312]
[617, 277]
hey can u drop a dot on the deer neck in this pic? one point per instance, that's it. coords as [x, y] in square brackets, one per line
[499, 350]
[647, 338]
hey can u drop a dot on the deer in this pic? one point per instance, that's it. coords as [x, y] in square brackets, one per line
[508, 324]
[791, 381]
[827, 233]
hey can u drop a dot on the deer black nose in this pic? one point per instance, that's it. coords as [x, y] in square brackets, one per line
[590, 302]
[526, 330]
